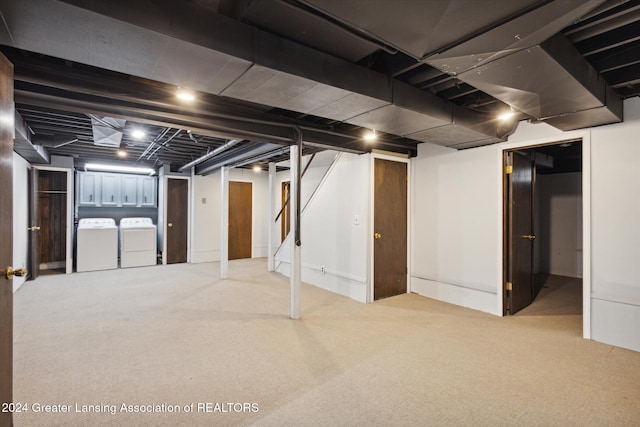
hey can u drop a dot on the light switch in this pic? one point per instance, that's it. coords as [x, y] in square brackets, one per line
[356, 219]
[204, 200]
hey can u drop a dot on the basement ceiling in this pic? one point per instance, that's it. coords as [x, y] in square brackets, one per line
[438, 71]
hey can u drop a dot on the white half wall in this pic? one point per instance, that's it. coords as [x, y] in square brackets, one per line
[558, 229]
[20, 216]
[206, 213]
[334, 247]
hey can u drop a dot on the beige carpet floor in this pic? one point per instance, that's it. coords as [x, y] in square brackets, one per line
[177, 335]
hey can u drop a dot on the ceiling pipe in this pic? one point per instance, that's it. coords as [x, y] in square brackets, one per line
[165, 144]
[156, 139]
[209, 155]
[264, 156]
[53, 143]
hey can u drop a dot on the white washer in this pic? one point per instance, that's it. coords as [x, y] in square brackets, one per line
[138, 242]
[97, 247]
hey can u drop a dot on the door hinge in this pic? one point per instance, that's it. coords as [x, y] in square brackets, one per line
[508, 170]
[509, 286]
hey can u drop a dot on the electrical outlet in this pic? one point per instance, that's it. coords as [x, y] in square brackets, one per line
[322, 270]
[204, 200]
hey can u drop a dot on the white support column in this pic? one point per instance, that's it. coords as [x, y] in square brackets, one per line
[271, 264]
[224, 223]
[295, 250]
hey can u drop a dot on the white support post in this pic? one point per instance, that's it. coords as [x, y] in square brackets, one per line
[224, 223]
[295, 250]
[271, 264]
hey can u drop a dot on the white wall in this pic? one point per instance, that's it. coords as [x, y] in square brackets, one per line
[558, 216]
[615, 201]
[457, 224]
[310, 182]
[331, 241]
[206, 216]
[20, 216]
[456, 232]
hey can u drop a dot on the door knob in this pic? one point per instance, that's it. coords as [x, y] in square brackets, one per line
[169, 225]
[10, 272]
[528, 236]
[377, 235]
[34, 228]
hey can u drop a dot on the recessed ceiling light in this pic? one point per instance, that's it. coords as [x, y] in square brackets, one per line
[138, 133]
[185, 94]
[370, 136]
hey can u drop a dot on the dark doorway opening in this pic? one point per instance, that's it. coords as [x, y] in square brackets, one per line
[543, 266]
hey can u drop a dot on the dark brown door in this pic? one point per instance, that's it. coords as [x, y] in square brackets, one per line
[240, 220]
[177, 220]
[286, 221]
[34, 227]
[520, 235]
[52, 219]
[390, 229]
[6, 237]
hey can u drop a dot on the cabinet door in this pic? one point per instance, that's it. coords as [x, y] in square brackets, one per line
[87, 188]
[129, 193]
[149, 191]
[110, 194]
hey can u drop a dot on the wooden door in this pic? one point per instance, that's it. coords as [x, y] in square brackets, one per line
[520, 234]
[177, 220]
[34, 227]
[390, 229]
[240, 219]
[52, 218]
[6, 237]
[285, 223]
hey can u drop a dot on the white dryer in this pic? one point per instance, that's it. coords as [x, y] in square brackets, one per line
[97, 247]
[138, 242]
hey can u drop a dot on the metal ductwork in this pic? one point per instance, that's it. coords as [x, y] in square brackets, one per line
[506, 49]
[188, 46]
[525, 65]
[22, 144]
[565, 90]
[107, 131]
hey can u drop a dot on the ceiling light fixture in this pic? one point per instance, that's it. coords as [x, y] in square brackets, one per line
[122, 150]
[117, 168]
[138, 133]
[257, 168]
[371, 136]
[185, 94]
[507, 115]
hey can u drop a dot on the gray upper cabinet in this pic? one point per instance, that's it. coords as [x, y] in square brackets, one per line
[88, 189]
[116, 190]
[149, 190]
[129, 190]
[110, 194]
